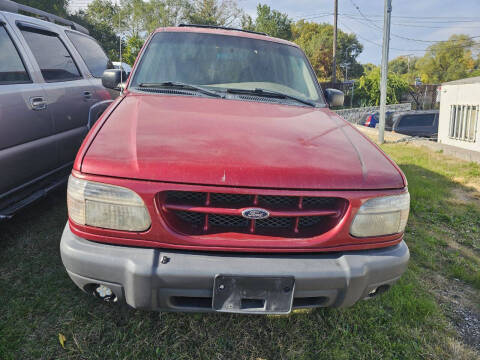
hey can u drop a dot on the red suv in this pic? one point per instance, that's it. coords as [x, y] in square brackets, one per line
[221, 181]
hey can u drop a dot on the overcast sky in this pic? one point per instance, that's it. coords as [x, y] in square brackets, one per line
[430, 20]
[424, 20]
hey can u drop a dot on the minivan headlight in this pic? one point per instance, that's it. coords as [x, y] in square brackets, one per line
[382, 216]
[106, 206]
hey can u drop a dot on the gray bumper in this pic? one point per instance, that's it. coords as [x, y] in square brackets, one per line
[138, 276]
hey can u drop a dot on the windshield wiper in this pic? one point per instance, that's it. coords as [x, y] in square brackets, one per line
[180, 85]
[270, 93]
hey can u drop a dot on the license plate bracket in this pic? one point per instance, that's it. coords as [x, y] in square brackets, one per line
[253, 294]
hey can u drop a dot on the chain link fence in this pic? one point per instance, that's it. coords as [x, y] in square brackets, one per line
[356, 115]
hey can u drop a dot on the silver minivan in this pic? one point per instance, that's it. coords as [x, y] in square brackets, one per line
[50, 77]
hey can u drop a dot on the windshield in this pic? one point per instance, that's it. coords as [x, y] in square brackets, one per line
[221, 62]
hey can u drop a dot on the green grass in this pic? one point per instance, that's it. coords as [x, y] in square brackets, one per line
[438, 218]
[38, 300]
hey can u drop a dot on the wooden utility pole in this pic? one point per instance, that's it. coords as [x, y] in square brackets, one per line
[383, 80]
[334, 65]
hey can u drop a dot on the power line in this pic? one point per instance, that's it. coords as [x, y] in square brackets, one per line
[411, 21]
[369, 21]
[426, 18]
[361, 14]
[412, 39]
[397, 49]
[453, 19]
[404, 24]
[434, 27]
[394, 35]
[361, 37]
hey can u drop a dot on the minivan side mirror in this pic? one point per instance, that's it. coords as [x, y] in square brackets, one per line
[334, 97]
[112, 78]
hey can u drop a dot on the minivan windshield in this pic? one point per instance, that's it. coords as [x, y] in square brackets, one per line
[223, 62]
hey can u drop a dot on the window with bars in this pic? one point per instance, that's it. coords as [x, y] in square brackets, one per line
[463, 122]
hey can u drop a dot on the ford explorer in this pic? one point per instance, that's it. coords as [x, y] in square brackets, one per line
[220, 180]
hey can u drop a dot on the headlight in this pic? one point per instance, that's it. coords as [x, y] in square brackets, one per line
[382, 216]
[106, 206]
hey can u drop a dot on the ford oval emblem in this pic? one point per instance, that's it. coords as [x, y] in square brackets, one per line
[255, 214]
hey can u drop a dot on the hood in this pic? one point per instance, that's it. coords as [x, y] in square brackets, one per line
[212, 141]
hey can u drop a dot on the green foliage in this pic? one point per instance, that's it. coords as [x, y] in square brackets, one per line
[444, 61]
[447, 61]
[103, 12]
[135, 19]
[56, 7]
[368, 90]
[401, 65]
[134, 45]
[213, 12]
[405, 67]
[368, 67]
[163, 13]
[443, 228]
[317, 42]
[132, 17]
[97, 18]
[271, 22]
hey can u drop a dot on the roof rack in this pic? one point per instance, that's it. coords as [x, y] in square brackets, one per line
[222, 28]
[13, 7]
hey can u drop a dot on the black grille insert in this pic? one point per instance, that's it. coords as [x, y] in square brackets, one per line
[199, 213]
[227, 220]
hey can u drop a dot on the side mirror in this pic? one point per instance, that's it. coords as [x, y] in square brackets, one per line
[334, 97]
[112, 78]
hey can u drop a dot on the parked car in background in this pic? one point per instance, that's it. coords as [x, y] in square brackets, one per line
[124, 66]
[50, 76]
[417, 123]
[371, 120]
[221, 181]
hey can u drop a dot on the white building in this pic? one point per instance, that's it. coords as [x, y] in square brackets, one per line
[459, 111]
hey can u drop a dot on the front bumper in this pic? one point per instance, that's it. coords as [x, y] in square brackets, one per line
[166, 280]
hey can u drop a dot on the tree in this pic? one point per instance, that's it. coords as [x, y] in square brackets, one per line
[97, 18]
[214, 12]
[132, 17]
[103, 12]
[101, 32]
[447, 60]
[368, 90]
[56, 7]
[134, 45]
[271, 22]
[368, 67]
[400, 65]
[101, 20]
[317, 42]
[405, 67]
[162, 13]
